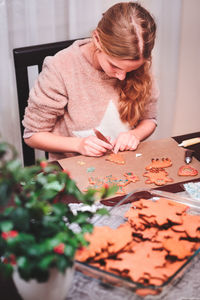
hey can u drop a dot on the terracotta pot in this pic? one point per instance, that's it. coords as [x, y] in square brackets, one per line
[56, 287]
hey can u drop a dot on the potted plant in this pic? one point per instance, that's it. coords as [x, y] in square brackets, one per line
[37, 240]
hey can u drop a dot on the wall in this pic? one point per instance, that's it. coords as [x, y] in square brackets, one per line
[187, 106]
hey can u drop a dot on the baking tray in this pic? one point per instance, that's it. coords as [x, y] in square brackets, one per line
[116, 218]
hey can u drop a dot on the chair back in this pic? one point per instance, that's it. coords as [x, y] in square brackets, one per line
[24, 58]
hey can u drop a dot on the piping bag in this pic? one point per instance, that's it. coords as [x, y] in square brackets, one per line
[190, 142]
[188, 156]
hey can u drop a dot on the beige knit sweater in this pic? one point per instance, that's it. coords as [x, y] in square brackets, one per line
[70, 98]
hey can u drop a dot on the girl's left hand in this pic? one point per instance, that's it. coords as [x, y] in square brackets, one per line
[125, 141]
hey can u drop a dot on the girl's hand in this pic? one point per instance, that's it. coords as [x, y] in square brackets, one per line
[92, 146]
[125, 141]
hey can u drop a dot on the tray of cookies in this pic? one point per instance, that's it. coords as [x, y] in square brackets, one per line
[149, 239]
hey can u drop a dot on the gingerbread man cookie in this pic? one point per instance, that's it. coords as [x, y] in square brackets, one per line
[116, 158]
[158, 176]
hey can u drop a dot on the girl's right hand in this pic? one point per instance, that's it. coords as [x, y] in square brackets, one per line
[92, 146]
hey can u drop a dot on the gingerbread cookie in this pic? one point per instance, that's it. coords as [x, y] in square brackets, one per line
[99, 182]
[179, 248]
[147, 252]
[187, 171]
[97, 240]
[116, 158]
[171, 267]
[120, 191]
[158, 176]
[131, 177]
[190, 225]
[159, 163]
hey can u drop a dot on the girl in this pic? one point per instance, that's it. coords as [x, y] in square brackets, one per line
[103, 82]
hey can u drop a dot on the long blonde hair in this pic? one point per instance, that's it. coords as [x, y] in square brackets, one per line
[127, 31]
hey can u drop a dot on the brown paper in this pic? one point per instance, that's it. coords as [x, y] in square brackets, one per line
[150, 149]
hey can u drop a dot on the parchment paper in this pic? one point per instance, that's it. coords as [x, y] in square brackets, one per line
[162, 148]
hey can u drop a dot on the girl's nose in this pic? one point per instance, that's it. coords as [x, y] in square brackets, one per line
[121, 75]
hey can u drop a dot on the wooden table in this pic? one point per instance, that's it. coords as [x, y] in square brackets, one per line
[87, 288]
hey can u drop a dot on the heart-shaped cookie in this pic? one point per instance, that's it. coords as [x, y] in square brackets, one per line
[187, 171]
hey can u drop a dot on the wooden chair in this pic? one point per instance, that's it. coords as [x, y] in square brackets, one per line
[24, 58]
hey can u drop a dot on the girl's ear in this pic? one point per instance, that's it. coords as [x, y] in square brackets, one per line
[96, 40]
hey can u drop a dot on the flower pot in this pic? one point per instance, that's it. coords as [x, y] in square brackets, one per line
[56, 287]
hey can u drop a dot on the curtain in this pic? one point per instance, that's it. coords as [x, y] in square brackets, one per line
[24, 23]
[28, 22]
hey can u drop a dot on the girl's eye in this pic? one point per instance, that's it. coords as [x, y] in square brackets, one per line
[114, 67]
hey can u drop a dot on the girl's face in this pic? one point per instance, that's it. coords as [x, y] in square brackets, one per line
[116, 67]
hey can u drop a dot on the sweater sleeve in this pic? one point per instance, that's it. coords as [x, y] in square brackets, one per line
[47, 99]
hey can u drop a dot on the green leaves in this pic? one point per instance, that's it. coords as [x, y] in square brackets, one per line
[20, 219]
[71, 187]
[82, 217]
[46, 261]
[59, 209]
[13, 166]
[62, 263]
[107, 192]
[87, 227]
[102, 211]
[5, 192]
[6, 225]
[69, 250]
[6, 270]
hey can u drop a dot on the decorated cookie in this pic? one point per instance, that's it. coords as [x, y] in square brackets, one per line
[121, 191]
[158, 176]
[131, 177]
[91, 180]
[159, 163]
[187, 171]
[109, 180]
[116, 158]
